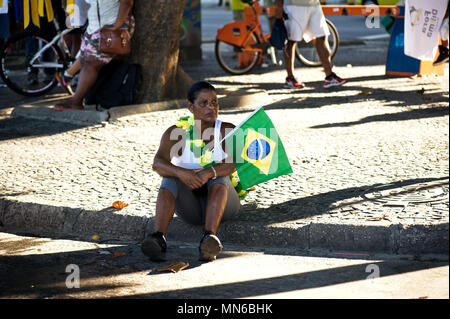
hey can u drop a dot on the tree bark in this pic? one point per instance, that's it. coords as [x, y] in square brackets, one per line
[155, 46]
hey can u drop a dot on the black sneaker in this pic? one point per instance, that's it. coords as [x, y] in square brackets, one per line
[442, 57]
[210, 247]
[155, 246]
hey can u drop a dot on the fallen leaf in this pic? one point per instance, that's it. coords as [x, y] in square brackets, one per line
[384, 217]
[176, 267]
[116, 254]
[95, 237]
[119, 204]
[365, 92]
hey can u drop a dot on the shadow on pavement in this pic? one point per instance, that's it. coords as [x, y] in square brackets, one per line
[388, 117]
[310, 206]
[252, 226]
[20, 127]
[305, 98]
[44, 275]
[287, 283]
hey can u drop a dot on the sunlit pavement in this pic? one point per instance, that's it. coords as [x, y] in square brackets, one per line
[47, 268]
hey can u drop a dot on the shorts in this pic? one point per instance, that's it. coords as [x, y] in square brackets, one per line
[191, 204]
[90, 44]
[305, 23]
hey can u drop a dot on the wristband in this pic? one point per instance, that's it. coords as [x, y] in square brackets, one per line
[215, 173]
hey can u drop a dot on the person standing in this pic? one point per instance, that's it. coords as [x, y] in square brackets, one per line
[305, 20]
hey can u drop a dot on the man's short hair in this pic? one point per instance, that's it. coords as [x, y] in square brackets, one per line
[197, 87]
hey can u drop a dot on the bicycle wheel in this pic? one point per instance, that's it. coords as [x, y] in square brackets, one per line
[20, 73]
[307, 53]
[234, 59]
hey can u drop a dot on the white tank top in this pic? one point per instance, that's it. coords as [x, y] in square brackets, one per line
[189, 161]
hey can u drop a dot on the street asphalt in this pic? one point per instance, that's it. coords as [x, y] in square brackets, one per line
[370, 161]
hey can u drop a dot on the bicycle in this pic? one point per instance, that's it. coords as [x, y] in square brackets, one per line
[240, 45]
[31, 65]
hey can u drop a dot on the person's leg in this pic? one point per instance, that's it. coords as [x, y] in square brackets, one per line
[76, 43]
[155, 245]
[289, 57]
[210, 245]
[165, 208]
[215, 207]
[294, 27]
[323, 51]
[443, 48]
[88, 75]
[74, 68]
[222, 203]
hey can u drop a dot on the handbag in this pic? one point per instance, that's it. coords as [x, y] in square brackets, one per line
[114, 42]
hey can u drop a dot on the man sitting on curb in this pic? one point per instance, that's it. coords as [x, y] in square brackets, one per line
[199, 193]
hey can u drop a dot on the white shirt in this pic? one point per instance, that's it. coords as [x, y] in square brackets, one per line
[189, 161]
[109, 10]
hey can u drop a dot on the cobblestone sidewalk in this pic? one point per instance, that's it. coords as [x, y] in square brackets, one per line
[370, 163]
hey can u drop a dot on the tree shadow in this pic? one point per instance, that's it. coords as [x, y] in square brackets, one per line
[21, 127]
[389, 117]
[307, 98]
[290, 283]
[310, 206]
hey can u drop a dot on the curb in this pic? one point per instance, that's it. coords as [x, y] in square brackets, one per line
[86, 117]
[112, 224]
[91, 116]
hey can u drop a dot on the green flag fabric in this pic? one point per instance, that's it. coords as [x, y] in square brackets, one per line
[257, 150]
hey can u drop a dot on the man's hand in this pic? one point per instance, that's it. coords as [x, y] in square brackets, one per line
[192, 178]
[205, 174]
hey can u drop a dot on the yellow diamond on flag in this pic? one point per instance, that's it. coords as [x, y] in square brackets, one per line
[258, 150]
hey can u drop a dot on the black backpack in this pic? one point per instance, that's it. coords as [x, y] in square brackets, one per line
[117, 84]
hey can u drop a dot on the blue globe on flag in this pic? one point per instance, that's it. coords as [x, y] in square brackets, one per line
[258, 149]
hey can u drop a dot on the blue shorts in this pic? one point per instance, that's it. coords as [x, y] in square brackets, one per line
[191, 204]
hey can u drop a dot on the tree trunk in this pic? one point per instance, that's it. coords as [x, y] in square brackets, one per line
[155, 46]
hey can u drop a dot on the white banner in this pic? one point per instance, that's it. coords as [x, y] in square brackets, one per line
[422, 22]
[3, 6]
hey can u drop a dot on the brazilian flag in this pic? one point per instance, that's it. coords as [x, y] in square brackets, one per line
[257, 150]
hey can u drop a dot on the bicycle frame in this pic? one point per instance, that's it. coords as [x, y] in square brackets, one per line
[48, 45]
[238, 33]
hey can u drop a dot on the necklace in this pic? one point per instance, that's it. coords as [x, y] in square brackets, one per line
[198, 147]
